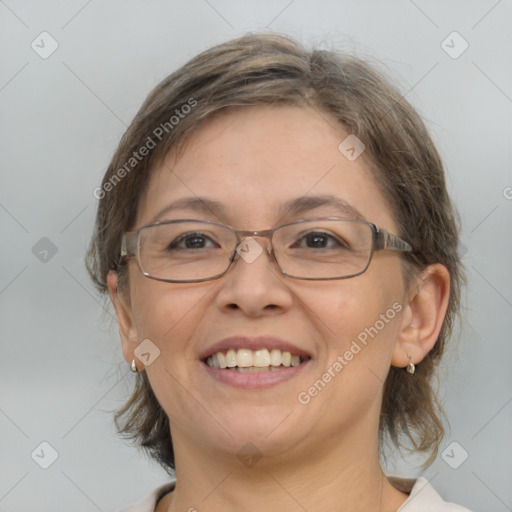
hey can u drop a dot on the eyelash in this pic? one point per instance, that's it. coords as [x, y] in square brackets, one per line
[186, 236]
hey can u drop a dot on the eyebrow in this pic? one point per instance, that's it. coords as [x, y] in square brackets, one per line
[300, 205]
[203, 205]
[307, 203]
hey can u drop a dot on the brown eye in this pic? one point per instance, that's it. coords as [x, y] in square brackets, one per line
[191, 241]
[320, 240]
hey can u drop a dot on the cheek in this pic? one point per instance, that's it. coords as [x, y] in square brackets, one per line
[167, 314]
[343, 309]
[358, 320]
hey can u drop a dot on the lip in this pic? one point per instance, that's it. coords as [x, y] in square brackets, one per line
[253, 343]
[256, 380]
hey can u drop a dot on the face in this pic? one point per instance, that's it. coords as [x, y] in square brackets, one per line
[253, 161]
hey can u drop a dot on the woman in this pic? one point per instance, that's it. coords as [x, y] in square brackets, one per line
[276, 237]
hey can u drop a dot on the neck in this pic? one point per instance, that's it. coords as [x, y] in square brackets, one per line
[344, 475]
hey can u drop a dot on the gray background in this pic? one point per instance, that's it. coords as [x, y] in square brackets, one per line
[61, 366]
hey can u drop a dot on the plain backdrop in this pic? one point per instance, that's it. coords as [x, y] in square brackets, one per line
[62, 115]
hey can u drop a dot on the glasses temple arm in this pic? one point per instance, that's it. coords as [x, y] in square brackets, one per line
[385, 240]
[128, 243]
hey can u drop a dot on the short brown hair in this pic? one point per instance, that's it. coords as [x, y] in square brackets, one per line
[270, 69]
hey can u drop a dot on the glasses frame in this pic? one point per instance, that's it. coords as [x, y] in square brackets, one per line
[381, 240]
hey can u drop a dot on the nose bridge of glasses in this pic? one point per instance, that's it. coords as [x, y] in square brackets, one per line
[242, 235]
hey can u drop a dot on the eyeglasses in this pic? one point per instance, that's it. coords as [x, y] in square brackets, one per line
[189, 251]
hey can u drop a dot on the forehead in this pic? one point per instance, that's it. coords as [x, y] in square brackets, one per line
[258, 163]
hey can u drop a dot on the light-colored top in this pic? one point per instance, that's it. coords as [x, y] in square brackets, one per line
[422, 497]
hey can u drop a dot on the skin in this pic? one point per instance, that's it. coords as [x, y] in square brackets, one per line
[319, 456]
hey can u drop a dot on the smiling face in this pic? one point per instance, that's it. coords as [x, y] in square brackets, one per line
[252, 162]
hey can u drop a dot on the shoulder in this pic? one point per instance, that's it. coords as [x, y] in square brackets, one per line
[422, 496]
[148, 502]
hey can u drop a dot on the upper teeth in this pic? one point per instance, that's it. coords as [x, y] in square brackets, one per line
[245, 358]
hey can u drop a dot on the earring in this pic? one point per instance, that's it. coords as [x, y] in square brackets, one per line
[411, 368]
[133, 367]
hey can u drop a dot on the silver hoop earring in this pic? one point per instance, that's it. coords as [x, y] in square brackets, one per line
[411, 368]
[133, 367]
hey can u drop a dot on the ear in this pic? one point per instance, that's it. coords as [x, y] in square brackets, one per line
[124, 314]
[422, 316]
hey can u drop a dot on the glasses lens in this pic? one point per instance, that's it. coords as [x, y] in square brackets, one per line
[314, 249]
[185, 250]
[323, 249]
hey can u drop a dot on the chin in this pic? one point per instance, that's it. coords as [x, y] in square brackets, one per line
[268, 432]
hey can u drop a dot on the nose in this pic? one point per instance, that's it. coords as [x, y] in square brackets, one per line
[254, 283]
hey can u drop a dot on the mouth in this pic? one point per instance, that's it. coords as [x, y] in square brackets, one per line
[245, 360]
[254, 363]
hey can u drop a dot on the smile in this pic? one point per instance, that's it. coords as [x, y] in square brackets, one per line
[252, 361]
